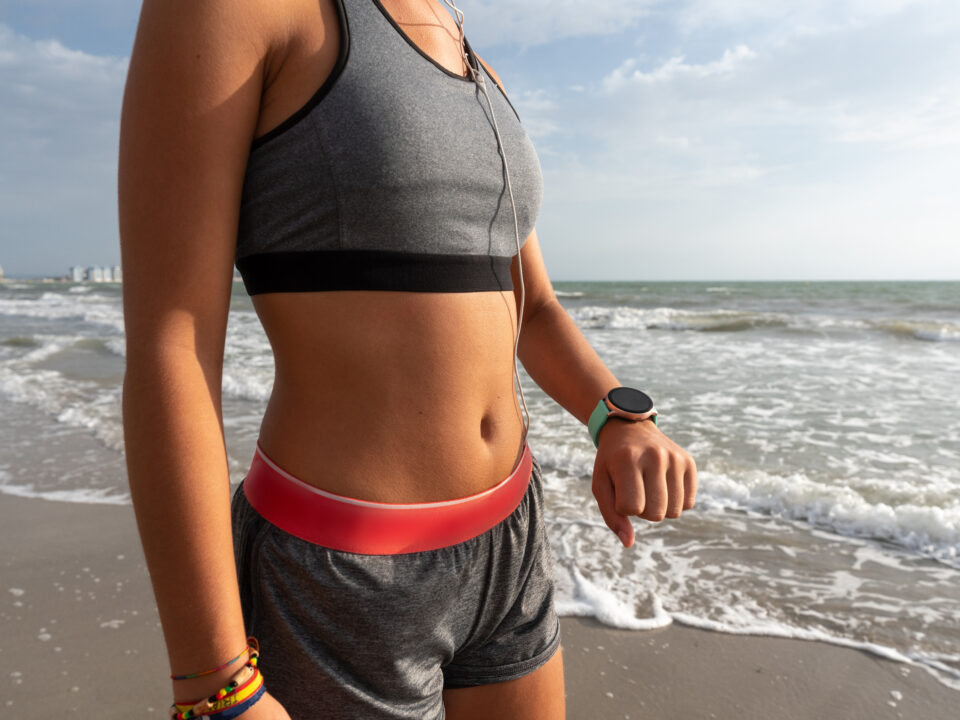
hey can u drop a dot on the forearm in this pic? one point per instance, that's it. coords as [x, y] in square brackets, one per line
[180, 488]
[559, 359]
[638, 471]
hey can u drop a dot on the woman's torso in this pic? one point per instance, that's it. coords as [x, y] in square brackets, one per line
[384, 395]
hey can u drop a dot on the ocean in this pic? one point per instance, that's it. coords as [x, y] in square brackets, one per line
[824, 418]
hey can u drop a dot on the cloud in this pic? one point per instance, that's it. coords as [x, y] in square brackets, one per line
[789, 16]
[537, 111]
[94, 25]
[535, 22]
[63, 100]
[929, 121]
[816, 144]
[58, 138]
[695, 137]
[675, 68]
[774, 101]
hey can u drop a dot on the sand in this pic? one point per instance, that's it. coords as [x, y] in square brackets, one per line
[78, 629]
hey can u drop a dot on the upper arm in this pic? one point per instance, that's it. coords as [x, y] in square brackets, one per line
[190, 109]
[538, 290]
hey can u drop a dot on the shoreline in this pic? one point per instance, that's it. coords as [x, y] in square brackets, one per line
[80, 630]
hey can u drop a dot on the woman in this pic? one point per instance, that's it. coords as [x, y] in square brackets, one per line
[342, 152]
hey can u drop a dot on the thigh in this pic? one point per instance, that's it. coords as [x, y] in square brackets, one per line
[538, 695]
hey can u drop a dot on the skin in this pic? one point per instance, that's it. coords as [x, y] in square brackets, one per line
[205, 79]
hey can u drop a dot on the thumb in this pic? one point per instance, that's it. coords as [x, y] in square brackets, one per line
[604, 492]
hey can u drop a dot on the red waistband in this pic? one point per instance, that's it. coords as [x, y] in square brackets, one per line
[374, 528]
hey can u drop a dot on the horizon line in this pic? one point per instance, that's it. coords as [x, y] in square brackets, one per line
[64, 278]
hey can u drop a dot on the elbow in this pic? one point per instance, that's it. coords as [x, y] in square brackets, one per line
[167, 383]
[541, 306]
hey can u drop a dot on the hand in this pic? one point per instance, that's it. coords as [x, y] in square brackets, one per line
[266, 708]
[640, 471]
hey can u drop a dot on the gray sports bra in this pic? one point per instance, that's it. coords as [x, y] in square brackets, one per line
[388, 178]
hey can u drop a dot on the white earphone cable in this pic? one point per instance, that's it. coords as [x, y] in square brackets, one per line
[477, 76]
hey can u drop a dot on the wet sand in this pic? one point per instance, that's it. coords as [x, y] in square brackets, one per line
[80, 637]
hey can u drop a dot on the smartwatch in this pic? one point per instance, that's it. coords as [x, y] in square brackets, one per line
[622, 402]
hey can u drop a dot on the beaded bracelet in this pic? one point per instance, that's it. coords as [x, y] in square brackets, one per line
[244, 689]
[229, 706]
[217, 669]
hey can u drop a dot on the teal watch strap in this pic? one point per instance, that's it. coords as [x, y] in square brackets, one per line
[598, 419]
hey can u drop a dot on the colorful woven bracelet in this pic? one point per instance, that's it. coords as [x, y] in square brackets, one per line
[244, 688]
[217, 669]
[231, 705]
[238, 710]
[240, 680]
[242, 676]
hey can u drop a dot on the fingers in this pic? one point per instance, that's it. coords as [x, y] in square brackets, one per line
[670, 476]
[690, 485]
[675, 489]
[631, 495]
[633, 476]
[654, 463]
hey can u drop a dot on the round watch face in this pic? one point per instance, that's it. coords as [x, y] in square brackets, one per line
[630, 400]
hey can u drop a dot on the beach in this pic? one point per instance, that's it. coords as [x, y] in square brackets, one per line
[80, 637]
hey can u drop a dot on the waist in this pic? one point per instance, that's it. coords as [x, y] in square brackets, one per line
[372, 390]
[350, 524]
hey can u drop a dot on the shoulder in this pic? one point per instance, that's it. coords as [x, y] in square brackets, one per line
[202, 49]
[493, 74]
[214, 29]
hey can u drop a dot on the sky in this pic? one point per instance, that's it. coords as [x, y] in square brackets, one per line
[679, 139]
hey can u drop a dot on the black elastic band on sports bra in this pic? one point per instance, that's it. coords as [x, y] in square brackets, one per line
[318, 270]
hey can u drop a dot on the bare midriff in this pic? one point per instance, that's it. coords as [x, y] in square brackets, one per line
[392, 396]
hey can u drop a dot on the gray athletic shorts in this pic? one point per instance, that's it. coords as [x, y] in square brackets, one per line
[363, 637]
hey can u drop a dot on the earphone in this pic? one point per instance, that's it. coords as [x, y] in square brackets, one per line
[477, 76]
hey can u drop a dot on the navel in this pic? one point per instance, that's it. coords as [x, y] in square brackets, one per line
[487, 427]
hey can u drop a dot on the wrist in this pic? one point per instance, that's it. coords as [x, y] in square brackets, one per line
[621, 403]
[620, 424]
[194, 689]
[244, 690]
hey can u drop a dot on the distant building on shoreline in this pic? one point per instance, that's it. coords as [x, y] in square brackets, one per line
[96, 273]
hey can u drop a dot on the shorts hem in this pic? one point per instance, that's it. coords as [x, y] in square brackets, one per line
[464, 676]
